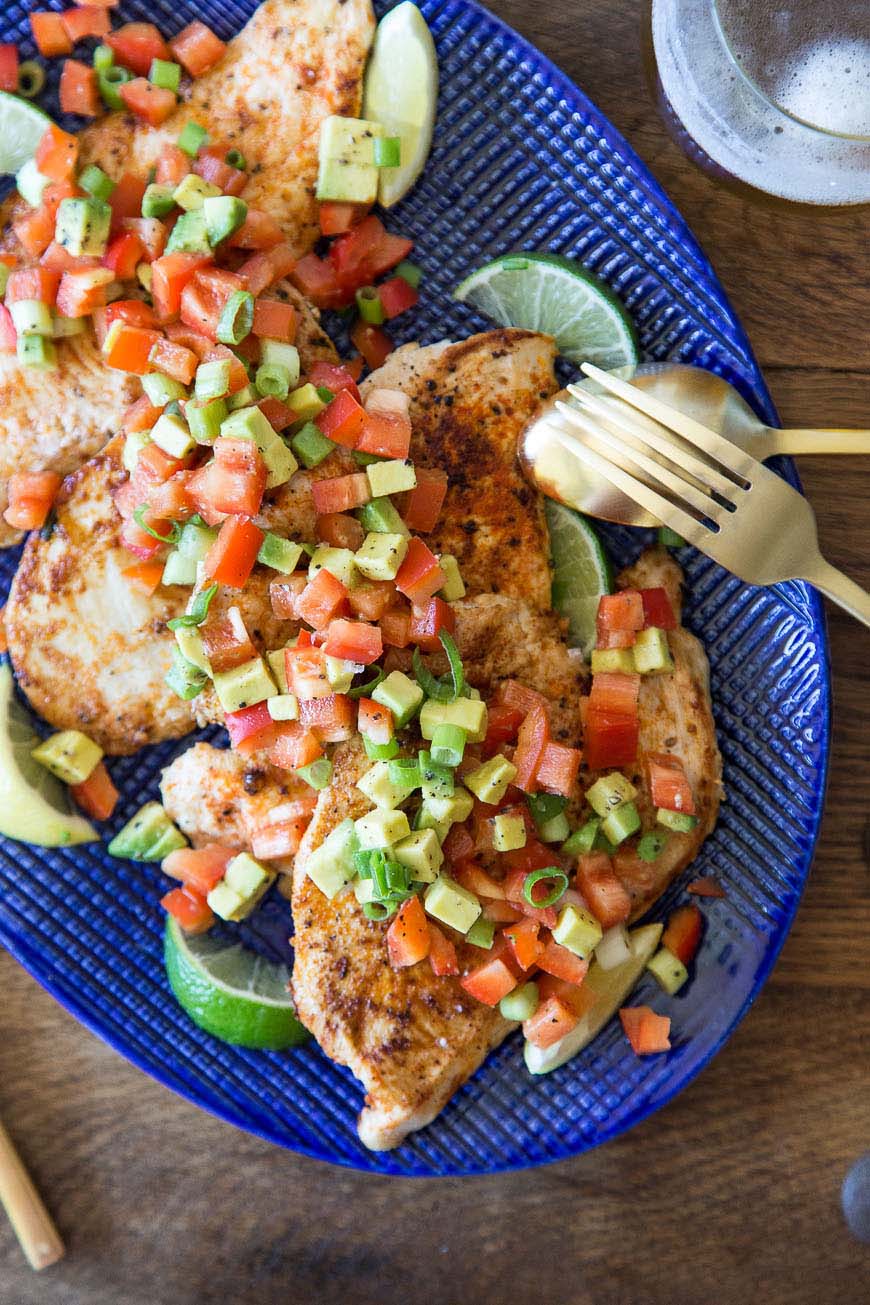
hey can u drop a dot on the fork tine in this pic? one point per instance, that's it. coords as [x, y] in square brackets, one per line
[699, 501]
[656, 504]
[729, 457]
[650, 434]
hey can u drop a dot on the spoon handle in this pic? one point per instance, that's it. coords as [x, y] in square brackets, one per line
[818, 441]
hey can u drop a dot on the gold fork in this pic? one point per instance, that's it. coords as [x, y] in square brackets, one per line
[714, 494]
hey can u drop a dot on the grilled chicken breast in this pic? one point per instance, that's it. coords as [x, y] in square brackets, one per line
[295, 63]
[89, 652]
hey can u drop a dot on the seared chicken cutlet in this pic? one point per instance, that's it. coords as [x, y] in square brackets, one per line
[295, 63]
[89, 652]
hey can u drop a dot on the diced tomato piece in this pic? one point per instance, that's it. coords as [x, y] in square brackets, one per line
[532, 740]
[622, 611]
[172, 167]
[201, 868]
[366, 252]
[657, 609]
[57, 259]
[178, 333]
[682, 934]
[408, 939]
[323, 598]
[170, 500]
[372, 342]
[458, 844]
[340, 531]
[669, 786]
[125, 200]
[518, 697]
[258, 231]
[35, 229]
[371, 598]
[333, 377]
[153, 104]
[387, 434]
[150, 232]
[423, 504]
[233, 483]
[202, 301]
[396, 296]
[85, 21]
[489, 982]
[524, 942]
[375, 721]
[342, 420]
[123, 255]
[132, 311]
[295, 747]
[428, 621]
[354, 641]
[97, 795]
[333, 718]
[212, 168]
[189, 908]
[611, 740]
[553, 1020]
[647, 1032]
[9, 68]
[501, 728]
[558, 768]
[144, 577]
[305, 669]
[615, 638]
[501, 912]
[78, 89]
[396, 627]
[154, 466]
[57, 154]
[32, 283]
[136, 45]
[340, 493]
[247, 722]
[138, 542]
[174, 360]
[442, 952]
[82, 290]
[262, 270]
[420, 576]
[706, 887]
[277, 414]
[274, 320]
[337, 217]
[602, 889]
[316, 279]
[614, 694]
[536, 854]
[31, 494]
[282, 838]
[226, 641]
[127, 348]
[473, 877]
[231, 558]
[559, 961]
[197, 48]
[49, 34]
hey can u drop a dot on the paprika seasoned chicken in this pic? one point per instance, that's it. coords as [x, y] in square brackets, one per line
[295, 63]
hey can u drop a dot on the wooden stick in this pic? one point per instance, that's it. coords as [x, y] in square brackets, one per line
[33, 1226]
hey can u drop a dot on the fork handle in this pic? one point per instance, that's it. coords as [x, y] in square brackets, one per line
[793, 442]
[840, 589]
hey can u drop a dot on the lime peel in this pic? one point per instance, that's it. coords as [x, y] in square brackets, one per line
[22, 126]
[581, 572]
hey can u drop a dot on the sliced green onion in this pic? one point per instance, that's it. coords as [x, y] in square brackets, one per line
[109, 81]
[95, 181]
[448, 745]
[368, 301]
[387, 151]
[36, 351]
[669, 538]
[103, 58]
[139, 517]
[212, 379]
[536, 876]
[237, 317]
[273, 379]
[158, 201]
[404, 772]
[197, 613]
[162, 389]
[325, 394]
[378, 910]
[651, 846]
[365, 690]
[204, 419]
[317, 774]
[191, 138]
[410, 272]
[47, 528]
[165, 74]
[439, 689]
[545, 806]
[236, 160]
[31, 79]
[380, 751]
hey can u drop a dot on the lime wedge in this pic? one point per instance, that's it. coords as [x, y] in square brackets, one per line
[581, 572]
[34, 806]
[22, 126]
[230, 991]
[611, 987]
[401, 91]
[543, 292]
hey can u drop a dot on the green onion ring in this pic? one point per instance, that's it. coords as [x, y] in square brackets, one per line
[535, 877]
[377, 910]
[173, 536]
[197, 613]
[31, 79]
[435, 688]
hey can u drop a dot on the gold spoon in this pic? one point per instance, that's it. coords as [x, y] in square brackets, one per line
[697, 393]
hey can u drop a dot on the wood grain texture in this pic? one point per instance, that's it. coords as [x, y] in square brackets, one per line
[732, 1192]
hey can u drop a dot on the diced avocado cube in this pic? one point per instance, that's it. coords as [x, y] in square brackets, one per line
[619, 660]
[621, 823]
[190, 644]
[651, 652]
[331, 866]
[31, 183]
[678, 821]
[435, 781]
[347, 170]
[350, 183]
[226, 902]
[134, 443]
[278, 667]
[31, 317]
[340, 562]
[381, 516]
[196, 540]
[305, 402]
[82, 226]
[205, 417]
[284, 706]
[381, 555]
[449, 902]
[145, 835]
[382, 829]
[280, 554]
[184, 679]
[158, 201]
[469, 714]
[425, 819]
[445, 811]
[554, 830]
[577, 930]
[223, 215]
[280, 464]
[609, 792]
[481, 933]
[244, 685]
[284, 355]
[340, 673]
[508, 831]
[311, 446]
[162, 389]
[169, 841]
[178, 569]
[401, 694]
[247, 398]
[192, 192]
[454, 585]
[170, 433]
[189, 235]
[391, 477]
[521, 1004]
[379, 788]
[668, 969]
[250, 424]
[36, 351]
[244, 883]
[70, 755]
[421, 853]
[489, 782]
[582, 839]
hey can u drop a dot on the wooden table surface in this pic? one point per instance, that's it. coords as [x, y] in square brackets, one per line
[730, 1193]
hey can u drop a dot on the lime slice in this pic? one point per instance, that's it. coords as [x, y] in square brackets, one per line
[230, 991]
[22, 126]
[34, 806]
[581, 572]
[401, 91]
[611, 987]
[543, 292]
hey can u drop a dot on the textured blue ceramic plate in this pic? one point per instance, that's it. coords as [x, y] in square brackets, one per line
[521, 159]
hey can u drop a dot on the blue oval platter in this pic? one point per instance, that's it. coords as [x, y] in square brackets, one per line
[521, 160]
